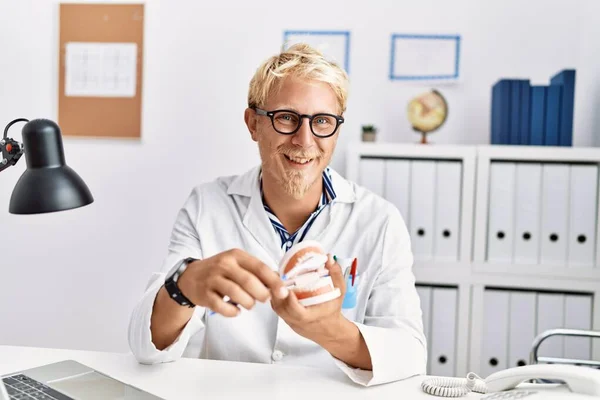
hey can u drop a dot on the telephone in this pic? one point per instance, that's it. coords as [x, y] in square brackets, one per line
[580, 383]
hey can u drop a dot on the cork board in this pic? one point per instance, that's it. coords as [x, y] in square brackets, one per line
[101, 70]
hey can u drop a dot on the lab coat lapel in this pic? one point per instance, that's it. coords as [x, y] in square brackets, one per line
[258, 223]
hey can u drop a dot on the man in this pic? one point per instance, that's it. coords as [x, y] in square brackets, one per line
[231, 234]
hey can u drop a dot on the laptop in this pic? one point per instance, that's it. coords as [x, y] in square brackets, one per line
[67, 380]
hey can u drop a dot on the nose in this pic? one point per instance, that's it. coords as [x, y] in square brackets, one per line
[303, 137]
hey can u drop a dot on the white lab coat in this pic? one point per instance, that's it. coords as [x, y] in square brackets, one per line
[228, 213]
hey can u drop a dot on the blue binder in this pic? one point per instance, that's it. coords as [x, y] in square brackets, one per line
[566, 78]
[515, 112]
[525, 113]
[537, 113]
[553, 109]
[501, 99]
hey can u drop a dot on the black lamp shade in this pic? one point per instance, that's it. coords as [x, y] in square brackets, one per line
[48, 184]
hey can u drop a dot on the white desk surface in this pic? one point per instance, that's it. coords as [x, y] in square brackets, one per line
[207, 379]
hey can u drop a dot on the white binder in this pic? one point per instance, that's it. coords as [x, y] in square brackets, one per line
[422, 200]
[582, 216]
[443, 331]
[501, 212]
[425, 296]
[578, 315]
[495, 332]
[447, 210]
[372, 174]
[550, 315]
[397, 186]
[522, 327]
[528, 190]
[555, 210]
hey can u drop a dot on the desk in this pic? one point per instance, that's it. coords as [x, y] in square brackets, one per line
[208, 379]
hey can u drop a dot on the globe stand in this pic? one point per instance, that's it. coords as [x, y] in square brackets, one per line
[423, 136]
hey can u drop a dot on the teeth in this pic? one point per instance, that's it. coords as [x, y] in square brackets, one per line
[300, 160]
[308, 262]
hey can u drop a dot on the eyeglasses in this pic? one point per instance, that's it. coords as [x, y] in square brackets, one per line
[287, 122]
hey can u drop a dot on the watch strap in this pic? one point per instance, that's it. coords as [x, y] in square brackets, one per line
[173, 289]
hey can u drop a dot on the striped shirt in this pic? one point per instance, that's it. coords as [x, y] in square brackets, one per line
[287, 239]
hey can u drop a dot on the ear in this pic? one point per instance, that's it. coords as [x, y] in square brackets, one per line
[251, 121]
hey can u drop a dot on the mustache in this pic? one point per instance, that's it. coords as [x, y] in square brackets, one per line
[298, 153]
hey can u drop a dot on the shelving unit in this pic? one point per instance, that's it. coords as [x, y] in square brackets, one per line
[535, 275]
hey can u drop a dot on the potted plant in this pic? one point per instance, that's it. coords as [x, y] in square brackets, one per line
[368, 133]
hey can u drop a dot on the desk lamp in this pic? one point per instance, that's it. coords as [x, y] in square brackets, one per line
[48, 184]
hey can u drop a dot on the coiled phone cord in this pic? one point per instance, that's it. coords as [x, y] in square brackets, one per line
[454, 387]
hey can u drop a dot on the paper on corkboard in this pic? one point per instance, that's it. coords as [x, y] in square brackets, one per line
[101, 70]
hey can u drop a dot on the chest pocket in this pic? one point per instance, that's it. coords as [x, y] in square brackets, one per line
[355, 299]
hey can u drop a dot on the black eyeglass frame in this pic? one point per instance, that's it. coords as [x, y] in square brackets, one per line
[338, 119]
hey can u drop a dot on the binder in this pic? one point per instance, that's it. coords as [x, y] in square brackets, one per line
[371, 174]
[550, 315]
[528, 189]
[515, 112]
[553, 107]
[521, 327]
[397, 186]
[422, 208]
[495, 331]
[425, 296]
[495, 115]
[525, 112]
[566, 79]
[537, 126]
[501, 98]
[555, 209]
[582, 215]
[447, 210]
[578, 315]
[501, 212]
[443, 331]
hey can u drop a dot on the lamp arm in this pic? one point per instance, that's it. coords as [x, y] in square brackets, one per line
[11, 149]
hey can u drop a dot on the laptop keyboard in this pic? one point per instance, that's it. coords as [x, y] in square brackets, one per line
[21, 387]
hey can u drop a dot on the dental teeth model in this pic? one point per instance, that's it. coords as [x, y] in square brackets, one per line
[303, 269]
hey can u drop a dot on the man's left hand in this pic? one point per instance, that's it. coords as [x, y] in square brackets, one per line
[320, 323]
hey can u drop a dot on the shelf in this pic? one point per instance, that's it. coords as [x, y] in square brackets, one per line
[538, 271]
[507, 275]
[410, 150]
[539, 153]
[441, 273]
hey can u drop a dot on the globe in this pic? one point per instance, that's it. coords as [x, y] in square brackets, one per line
[427, 112]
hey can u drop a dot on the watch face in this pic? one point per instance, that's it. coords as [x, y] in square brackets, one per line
[177, 270]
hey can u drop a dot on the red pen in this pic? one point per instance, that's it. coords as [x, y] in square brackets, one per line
[353, 270]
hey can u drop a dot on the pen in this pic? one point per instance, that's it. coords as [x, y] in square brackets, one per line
[353, 270]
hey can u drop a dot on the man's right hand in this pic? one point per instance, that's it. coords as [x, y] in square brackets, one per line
[233, 273]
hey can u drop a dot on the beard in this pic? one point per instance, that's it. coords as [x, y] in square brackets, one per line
[295, 183]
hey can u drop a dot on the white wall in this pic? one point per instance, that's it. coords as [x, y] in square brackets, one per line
[70, 279]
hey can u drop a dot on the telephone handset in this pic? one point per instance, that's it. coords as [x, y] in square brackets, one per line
[582, 380]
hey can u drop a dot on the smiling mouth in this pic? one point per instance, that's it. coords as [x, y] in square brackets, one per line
[298, 160]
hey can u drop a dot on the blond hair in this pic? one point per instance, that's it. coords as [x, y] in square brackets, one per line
[300, 61]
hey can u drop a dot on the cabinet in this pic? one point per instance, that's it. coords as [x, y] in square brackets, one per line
[505, 243]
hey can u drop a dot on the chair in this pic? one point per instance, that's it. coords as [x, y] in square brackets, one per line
[535, 359]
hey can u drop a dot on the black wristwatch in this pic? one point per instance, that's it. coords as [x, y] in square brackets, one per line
[171, 284]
